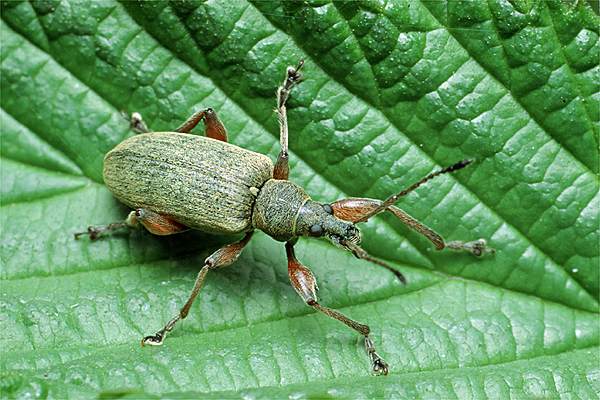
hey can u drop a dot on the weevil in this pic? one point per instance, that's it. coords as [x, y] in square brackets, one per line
[175, 181]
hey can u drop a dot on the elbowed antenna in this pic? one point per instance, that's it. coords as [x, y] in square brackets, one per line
[394, 198]
[362, 254]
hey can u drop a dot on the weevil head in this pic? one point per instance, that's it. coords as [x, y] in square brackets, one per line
[316, 219]
[284, 211]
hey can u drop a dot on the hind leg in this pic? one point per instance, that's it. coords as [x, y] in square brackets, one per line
[358, 210]
[223, 257]
[155, 223]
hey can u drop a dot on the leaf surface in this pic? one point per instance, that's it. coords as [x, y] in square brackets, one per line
[393, 91]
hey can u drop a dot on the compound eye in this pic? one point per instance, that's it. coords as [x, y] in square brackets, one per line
[328, 209]
[316, 230]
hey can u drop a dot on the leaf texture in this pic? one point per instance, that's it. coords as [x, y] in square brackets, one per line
[393, 91]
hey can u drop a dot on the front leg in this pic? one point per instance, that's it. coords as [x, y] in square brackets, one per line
[361, 209]
[303, 281]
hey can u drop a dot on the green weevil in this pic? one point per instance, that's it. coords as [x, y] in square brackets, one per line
[175, 181]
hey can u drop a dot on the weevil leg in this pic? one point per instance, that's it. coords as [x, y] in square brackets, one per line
[137, 123]
[357, 209]
[158, 224]
[191, 122]
[305, 285]
[223, 257]
[95, 232]
[213, 127]
[155, 223]
[293, 77]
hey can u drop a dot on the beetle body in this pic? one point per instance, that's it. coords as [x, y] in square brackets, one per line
[200, 182]
[209, 185]
[176, 181]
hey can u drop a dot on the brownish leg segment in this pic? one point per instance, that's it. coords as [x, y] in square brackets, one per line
[361, 209]
[155, 223]
[305, 285]
[293, 77]
[213, 127]
[355, 210]
[158, 224]
[223, 257]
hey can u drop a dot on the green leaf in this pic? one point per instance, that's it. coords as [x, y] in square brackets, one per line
[393, 91]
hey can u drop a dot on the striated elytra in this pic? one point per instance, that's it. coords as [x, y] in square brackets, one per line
[176, 181]
[203, 183]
